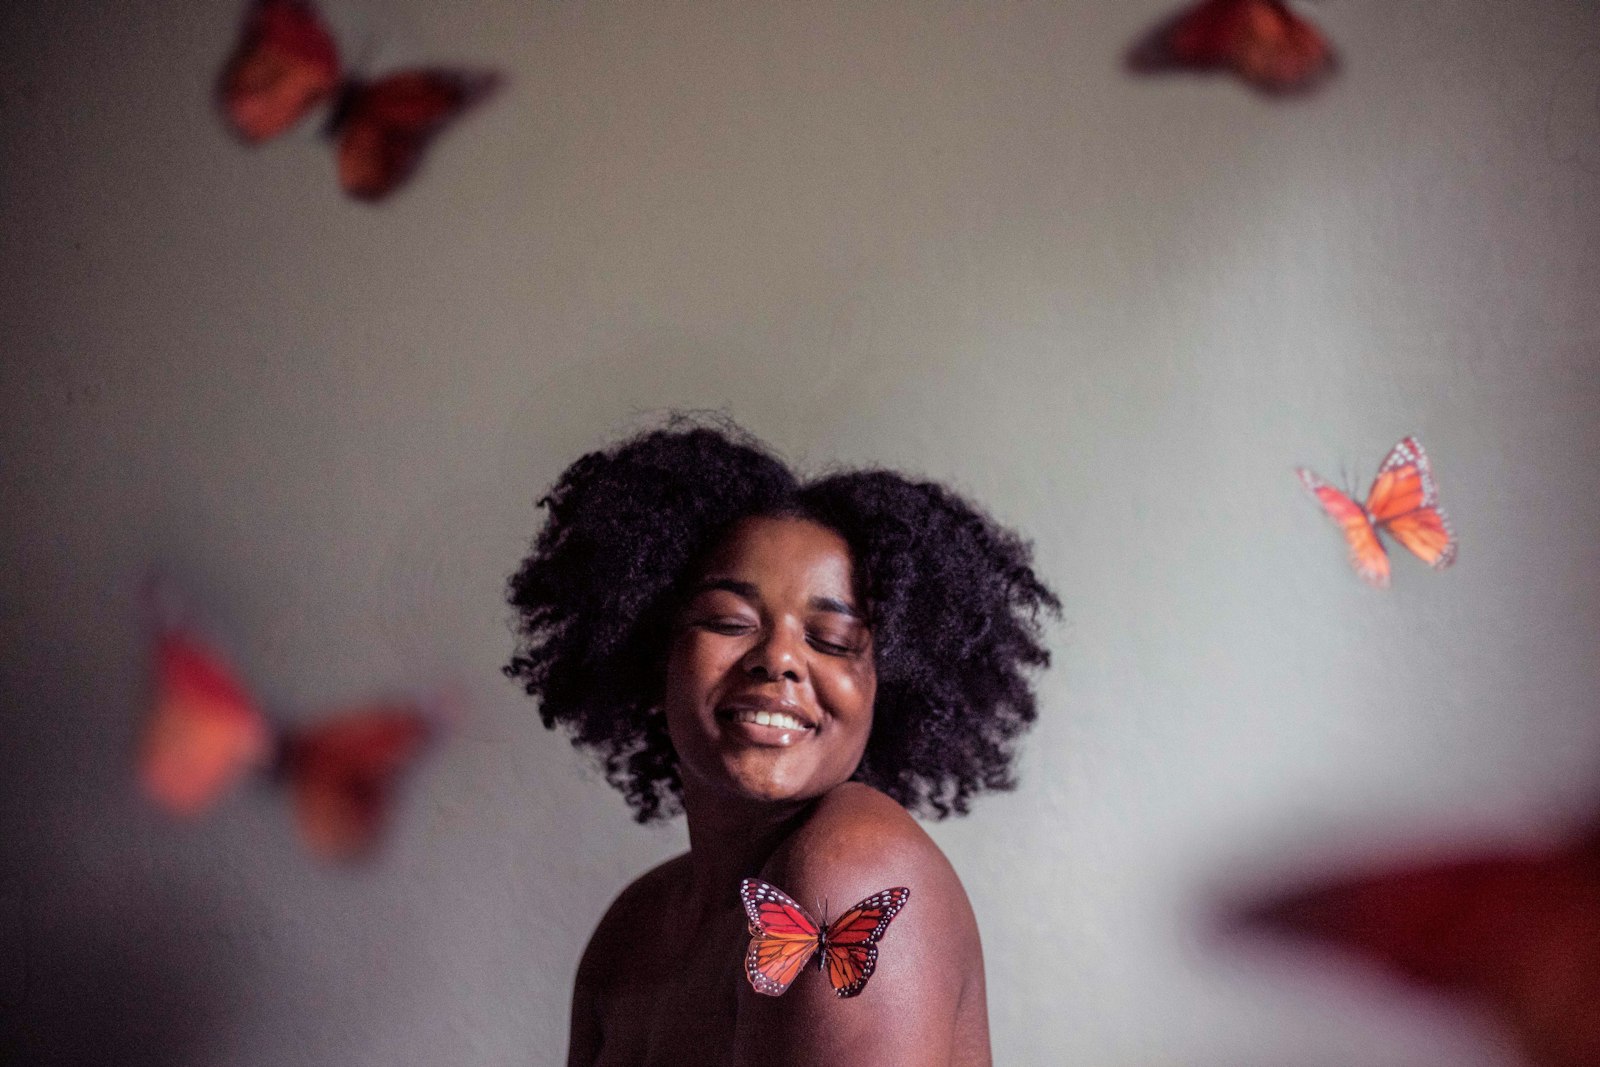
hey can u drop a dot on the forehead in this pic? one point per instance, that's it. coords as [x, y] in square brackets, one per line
[783, 551]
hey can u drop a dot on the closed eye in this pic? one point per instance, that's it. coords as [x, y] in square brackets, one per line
[726, 625]
[830, 648]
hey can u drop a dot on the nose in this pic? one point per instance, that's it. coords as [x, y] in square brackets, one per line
[774, 657]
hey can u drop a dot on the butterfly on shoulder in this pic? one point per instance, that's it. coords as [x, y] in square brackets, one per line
[286, 64]
[1261, 41]
[206, 733]
[784, 938]
[1403, 502]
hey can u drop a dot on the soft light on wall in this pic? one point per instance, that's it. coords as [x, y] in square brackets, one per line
[952, 237]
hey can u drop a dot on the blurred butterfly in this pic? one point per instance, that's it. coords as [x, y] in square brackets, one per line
[1517, 932]
[1403, 502]
[784, 938]
[286, 64]
[1261, 41]
[206, 733]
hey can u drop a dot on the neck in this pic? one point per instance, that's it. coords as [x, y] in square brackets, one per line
[732, 838]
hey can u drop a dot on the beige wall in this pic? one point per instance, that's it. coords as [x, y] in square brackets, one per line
[951, 237]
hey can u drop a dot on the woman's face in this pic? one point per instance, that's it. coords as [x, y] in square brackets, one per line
[770, 677]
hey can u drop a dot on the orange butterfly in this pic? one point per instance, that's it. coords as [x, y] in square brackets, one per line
[1262, 41]
[286, 64]
[1403, 501]
[783, 939]
[205, 734]
[1518, 932]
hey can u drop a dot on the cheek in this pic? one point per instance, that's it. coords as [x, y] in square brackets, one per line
[682, 694]
[695, 663]
[852, 693]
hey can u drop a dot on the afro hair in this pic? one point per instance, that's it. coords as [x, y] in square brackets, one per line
[951, 598]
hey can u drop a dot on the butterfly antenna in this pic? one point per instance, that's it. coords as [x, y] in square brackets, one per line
[1348, 483]
[163, 604]
[168, 609]
[354, 67]
[359, 66]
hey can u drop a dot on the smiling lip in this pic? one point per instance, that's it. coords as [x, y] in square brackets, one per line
[763, 712]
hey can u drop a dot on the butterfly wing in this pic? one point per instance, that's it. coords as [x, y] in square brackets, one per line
[850, 946]
[1404, 502]
[343, 774]
[383, 126]
[1518, 933]
[1367, 556]
[204, 732]
[783, 938]
[1262, 41]
[284, 65]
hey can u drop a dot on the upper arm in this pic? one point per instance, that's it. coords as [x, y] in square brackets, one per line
[584, 1036]
[907, 1012]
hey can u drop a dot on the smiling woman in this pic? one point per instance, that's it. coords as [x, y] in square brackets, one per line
[794, 666]
[770, 678]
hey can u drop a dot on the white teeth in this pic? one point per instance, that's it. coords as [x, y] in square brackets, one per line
[780, 719]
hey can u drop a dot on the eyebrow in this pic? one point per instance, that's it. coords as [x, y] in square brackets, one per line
[748, 591]
[838, 607]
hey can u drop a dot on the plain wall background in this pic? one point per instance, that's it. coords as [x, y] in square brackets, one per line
[949, 237]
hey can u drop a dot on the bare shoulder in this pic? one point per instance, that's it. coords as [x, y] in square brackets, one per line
[610, 979]
[644, 895]
[615, 938]
[859, 841]
[925, 988]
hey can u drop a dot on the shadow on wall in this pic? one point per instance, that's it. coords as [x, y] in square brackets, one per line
[101, 986]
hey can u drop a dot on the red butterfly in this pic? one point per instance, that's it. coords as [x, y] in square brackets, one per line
[783, 939]
[286, 64]
[205, 734]
[1403, 500]
[1519, 933]
[1262, 41]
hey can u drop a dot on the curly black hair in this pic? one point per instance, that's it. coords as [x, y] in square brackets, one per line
[951, 598]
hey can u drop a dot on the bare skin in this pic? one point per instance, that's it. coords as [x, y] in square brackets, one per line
[774, 631]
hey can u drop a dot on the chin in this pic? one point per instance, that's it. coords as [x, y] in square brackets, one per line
[766, 787]
[769, 792]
